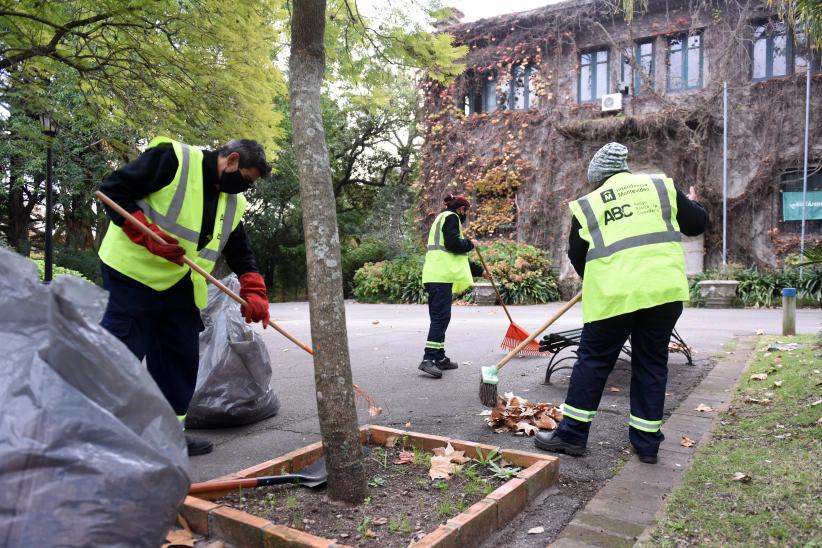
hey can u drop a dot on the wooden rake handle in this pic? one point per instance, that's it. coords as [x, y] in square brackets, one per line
[567, 306]
[194, 266]
[493, 283]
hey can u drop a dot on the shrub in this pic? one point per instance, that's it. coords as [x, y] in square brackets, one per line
[56, 270]
[353, 258]
[521, 271]
[84, 261]
[395, 281]
[763, 288]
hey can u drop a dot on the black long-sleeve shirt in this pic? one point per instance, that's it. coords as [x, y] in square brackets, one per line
[154, 169]
[690, 215]
[455, 244]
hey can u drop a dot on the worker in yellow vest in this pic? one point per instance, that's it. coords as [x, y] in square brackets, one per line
[447, 271]
[625, 242]
[193, 199]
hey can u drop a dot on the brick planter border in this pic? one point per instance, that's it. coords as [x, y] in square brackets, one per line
[466, 529]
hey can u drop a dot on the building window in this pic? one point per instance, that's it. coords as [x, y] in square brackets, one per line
[685, 62]
[521, 92]
[644, 55]
[481, 94]
[772, 51]
[593, 75]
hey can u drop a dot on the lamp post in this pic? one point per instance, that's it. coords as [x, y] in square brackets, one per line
[50, 130]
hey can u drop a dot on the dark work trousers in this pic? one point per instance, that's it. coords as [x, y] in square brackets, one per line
[650, 331]
[439, 311]
[161, 326]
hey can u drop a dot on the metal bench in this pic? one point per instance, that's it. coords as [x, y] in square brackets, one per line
[556, 342]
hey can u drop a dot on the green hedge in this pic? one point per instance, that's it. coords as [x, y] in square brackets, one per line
[56, 270]
[763, 288]
[521, 271]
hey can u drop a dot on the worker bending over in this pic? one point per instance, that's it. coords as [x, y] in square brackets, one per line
[625, 242]
[192, 198]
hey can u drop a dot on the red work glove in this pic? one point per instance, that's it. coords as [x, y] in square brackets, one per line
[170, 250]
[252, 290]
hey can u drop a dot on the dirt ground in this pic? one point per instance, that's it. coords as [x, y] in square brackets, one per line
[403, 503]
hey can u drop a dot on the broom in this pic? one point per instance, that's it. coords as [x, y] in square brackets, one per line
[515, 333]
[489, 378]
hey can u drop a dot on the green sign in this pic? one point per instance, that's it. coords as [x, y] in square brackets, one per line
[792, 206]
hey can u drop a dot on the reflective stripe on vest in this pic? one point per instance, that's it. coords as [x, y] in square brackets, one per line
[437, 233]
[600, 250]
[578, 414]
[644, 425]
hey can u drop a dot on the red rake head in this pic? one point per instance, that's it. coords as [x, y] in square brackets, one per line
[514, 336]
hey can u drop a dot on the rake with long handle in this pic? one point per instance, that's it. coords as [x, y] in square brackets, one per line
[194, 266]
[515, 333]
[489, 378]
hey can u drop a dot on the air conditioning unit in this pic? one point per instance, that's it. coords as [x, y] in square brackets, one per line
[611, 102]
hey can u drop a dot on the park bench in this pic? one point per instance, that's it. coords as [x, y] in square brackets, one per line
[558, 341]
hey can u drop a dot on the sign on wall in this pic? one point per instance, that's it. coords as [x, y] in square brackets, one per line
[792, 206]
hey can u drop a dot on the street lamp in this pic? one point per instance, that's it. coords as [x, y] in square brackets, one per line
[50, 130]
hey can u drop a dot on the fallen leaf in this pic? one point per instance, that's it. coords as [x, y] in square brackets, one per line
[370, 534]
[374, 323]
[391, 441]
[763, 401]
[536, 531]
[405, 457]
[687, 442]
[485, 412]
[704, 408]
[467, 363]
[759, 377]
[178, 537]
[545, 423]
[374, 411]
[529, 429]
[614, 389]
[741, 476]
[777, 383]
[441, 468]
[408, 424]
[379, 521]
[817, 402]
[760, 331]
[819, 422]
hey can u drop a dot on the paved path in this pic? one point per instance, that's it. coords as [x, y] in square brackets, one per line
[386, 345]
[629, 503]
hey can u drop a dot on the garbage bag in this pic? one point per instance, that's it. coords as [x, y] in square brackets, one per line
[91, 453]
[234, 380]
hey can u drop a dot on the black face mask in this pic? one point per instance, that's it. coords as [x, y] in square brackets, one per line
[463, 219]
[233, 183]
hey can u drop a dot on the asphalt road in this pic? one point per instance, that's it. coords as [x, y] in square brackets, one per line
[386, 343]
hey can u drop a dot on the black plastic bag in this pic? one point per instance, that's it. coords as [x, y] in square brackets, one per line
[234, 380]
[91, 454]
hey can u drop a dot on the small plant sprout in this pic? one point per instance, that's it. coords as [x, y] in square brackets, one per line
[503, 472]
[376, 481]
[290, 502]
[441, 486]
[364, 525]
[485, 460]
[446, 508]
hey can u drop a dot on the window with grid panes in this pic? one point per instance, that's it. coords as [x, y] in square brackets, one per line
[772, 52]
[685, 62]
[593, 75]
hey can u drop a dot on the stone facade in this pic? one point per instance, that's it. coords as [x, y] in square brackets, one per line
[521, 150]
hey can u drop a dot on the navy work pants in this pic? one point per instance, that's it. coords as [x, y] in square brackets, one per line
[161, 326]
[439, 311]
[650, 331]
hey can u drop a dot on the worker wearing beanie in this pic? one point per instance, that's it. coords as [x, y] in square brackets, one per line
[447, 270]
[191, 198]
[625, 242]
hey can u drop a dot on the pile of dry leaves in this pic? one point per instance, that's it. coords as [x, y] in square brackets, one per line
[518, 415]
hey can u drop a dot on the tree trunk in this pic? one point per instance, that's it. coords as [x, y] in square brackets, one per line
[332, 365]
[19, 217]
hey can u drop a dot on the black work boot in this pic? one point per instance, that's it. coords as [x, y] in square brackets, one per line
[647, 459]
[445, 363]
[548, 441]
[198, 446]
[429, 367]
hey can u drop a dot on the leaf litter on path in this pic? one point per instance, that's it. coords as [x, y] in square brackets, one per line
[523, 418]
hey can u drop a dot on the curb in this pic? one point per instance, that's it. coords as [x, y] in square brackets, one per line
[625, 510]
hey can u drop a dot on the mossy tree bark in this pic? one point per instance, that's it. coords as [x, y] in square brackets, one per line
[332, 365]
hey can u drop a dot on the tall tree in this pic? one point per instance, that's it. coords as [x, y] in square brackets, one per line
[332, 365]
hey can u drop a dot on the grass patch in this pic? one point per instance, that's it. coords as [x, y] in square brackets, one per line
[776, 443]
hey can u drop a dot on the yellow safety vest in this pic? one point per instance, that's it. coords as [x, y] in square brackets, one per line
[441, 265]
[176, 208]
[635, 258]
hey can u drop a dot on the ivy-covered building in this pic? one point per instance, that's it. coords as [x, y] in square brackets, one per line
[544, 89]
